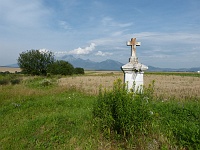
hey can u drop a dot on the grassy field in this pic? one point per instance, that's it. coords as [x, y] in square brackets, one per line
[56, 113]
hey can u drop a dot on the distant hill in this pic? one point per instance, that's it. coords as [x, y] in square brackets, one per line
[110, 65]
[115, 65]
[14, 65]
[91, 65]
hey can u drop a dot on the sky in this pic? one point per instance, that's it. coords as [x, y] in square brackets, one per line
[169, 31]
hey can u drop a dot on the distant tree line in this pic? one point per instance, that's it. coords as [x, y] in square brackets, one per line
[37, 62]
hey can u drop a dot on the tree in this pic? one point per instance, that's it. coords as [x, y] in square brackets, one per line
[61, 67]
[35, 62]
[79, 70]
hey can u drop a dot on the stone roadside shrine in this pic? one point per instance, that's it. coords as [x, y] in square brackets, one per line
[133, 70]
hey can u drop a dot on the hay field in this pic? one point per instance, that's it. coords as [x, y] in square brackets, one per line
[10, 69]
[173, 85]
[165, 85]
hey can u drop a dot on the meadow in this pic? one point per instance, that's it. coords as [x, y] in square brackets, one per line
[57, 112]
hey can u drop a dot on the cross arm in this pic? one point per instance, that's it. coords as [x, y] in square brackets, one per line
[133, 42]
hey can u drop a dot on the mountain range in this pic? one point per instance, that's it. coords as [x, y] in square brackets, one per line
[91, 65]
[111, 65]
[115, 65]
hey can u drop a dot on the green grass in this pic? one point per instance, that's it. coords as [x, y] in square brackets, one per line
[179, 122]
[45, 116]
[60, 121]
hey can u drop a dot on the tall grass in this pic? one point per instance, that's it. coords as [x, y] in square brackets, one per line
[122, 112]
[144, 121]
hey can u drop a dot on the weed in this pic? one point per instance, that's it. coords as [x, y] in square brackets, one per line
[123, 112]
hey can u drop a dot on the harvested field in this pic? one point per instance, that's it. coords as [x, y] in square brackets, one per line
[165, 85]
[172, 85]
[91, 82]
[11, 70]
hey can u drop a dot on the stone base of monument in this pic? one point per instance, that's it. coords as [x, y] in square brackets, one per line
[134, 81]
[133, 76]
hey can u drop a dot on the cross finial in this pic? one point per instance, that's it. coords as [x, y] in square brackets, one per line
[133, 45]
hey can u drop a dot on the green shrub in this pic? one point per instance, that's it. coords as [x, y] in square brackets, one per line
[4, 81]
[60, 67]
[122, 112]
[7, 78]
[15, 81]
[78, 70]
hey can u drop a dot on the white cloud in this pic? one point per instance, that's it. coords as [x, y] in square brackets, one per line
[83, 51]
[100, 53]
[78, 51]
[44, 50]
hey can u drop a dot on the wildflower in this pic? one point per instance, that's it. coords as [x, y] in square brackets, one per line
[151, 112]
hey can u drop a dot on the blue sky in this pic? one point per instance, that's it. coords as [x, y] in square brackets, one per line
[169, 31]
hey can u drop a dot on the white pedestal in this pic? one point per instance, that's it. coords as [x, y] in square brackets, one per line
[133, 76]
[134, 81]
